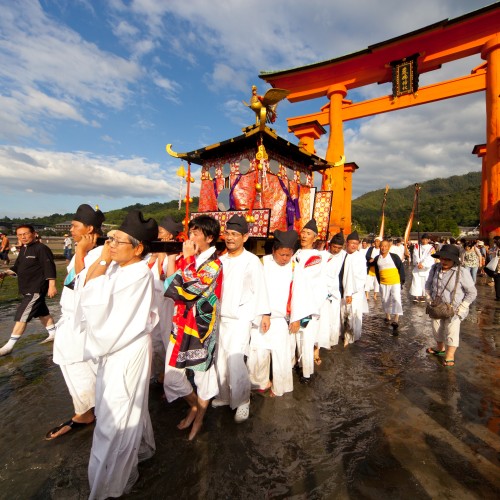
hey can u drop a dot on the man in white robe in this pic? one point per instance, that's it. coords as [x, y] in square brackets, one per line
[244, 303]
[309, 292]
[391, 276]
[117, 301]
[422, 263]
[275, 343]
[168, 230]
[79, 374]
[371, 280]
[356, 264]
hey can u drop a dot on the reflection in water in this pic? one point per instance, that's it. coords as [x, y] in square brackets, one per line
[381, 420]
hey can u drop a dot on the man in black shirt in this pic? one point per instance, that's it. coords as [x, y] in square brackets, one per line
[36, 273]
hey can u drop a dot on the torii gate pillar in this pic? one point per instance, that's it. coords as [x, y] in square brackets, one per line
[490, 220]
[334, 179]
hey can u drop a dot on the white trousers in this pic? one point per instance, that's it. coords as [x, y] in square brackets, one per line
[176, 384]
[371, 283]
[123, 433]
[418, 280]
[80, 379]
[329, 328]
[232, 371]
[305, 346]
[447, 331]
[391, 299]
[274, 344]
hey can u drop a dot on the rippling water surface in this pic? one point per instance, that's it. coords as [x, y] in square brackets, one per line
[381, 419]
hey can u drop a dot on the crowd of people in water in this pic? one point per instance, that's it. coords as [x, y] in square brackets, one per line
[238, 323]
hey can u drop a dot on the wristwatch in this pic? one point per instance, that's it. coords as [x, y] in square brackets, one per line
[103, 263]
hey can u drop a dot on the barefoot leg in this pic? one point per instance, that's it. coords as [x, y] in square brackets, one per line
[188, 420]
[198, 421]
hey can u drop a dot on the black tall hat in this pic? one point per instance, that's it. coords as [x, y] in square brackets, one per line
[135, 225]
[287, 239]
[338, 239]
[237, 223]
[88, 216]
[312, 226]
[174, 228]
[353, 236]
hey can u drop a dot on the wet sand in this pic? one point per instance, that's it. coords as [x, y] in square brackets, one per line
[381, 419]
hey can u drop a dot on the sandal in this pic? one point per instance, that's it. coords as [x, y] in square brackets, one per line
[433, 351]
[449, 363]
[317, 360]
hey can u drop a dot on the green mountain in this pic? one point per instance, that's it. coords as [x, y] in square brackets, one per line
[444, 204]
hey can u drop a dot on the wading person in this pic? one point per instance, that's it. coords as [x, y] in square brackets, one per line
[390, 274]
[422, 262]
[244, 303]
[117, 302]
[79, 373]
[196, 290]
[449, 283]
[36, 277]
[371, 279]
[275, 343]
[309, 292]
[356, 262]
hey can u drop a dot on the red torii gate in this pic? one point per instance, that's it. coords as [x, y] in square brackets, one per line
[475, 33]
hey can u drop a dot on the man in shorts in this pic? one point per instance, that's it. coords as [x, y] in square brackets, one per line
[36, 274]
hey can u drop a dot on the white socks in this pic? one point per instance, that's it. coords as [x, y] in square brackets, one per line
[7, 348]
[51, 330]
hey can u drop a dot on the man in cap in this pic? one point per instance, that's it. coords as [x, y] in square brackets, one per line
[117, 302]
[371, 280]
[390, 274]
[422, 262]
[355, 262]
[161, 267]
[442, 282]
[340, 284]
[244, 303]
[36, 278]
[309, 292]
[196, 290]
[275, 343]
[79, 373]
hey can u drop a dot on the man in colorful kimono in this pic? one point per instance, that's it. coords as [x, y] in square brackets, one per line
[275, 343]
[244, 303]
[196, 290]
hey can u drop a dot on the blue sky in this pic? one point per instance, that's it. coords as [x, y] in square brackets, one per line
[92, 91]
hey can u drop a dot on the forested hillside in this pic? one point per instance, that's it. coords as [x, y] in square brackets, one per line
[444, 204]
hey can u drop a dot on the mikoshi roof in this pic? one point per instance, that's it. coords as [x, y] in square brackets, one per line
[250, 138]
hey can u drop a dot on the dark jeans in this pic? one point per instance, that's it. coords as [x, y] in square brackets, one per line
[496, 278]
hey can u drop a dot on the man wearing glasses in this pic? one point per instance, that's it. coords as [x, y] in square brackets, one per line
[36, 274]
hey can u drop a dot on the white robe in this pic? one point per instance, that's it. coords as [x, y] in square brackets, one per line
[244, 301]
[79, 374]
[419, 276]
[356, 263]
[161, 332]
[276, 341]
[120, 316]
[309, 292]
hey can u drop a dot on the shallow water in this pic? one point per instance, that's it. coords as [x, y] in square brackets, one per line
[381, 419]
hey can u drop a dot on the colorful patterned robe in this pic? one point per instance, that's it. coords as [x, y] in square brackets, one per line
[196, 293]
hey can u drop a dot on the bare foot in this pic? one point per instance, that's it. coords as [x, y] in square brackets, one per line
[186, 422]
[195, 429]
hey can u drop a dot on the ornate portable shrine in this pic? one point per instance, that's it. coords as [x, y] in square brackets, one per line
[264, 177]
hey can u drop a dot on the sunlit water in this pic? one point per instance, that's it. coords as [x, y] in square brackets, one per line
[382, 419]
